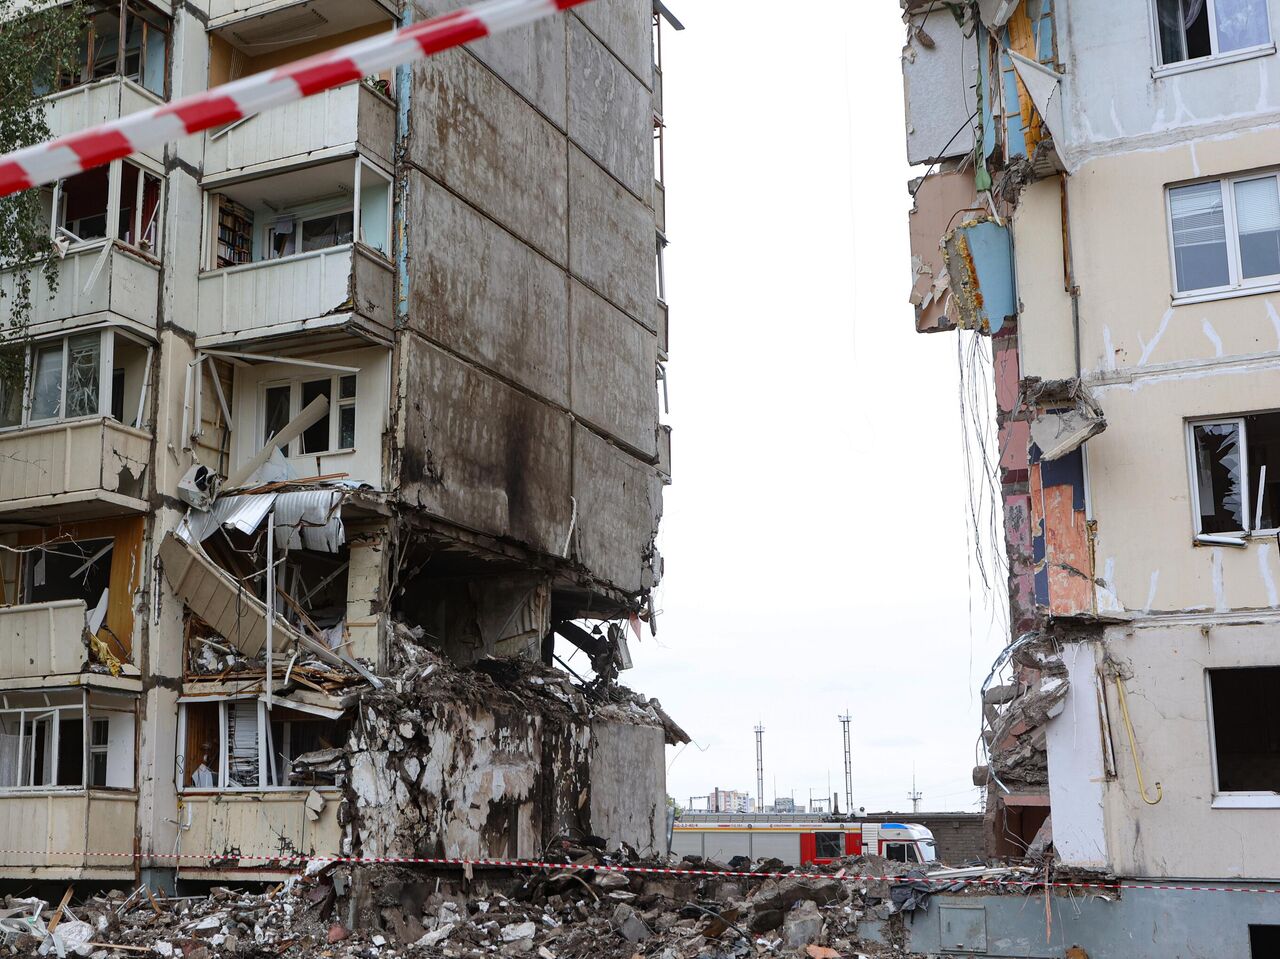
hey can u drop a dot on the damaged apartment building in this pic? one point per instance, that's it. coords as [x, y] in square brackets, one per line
[330, 489]
[1098, 195]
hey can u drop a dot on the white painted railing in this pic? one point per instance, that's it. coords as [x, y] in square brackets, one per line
[91, 281]
[75, 824]
[94, 103]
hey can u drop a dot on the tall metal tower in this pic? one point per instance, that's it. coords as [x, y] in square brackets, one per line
[760, 767]
[915, 795]
[848, 765]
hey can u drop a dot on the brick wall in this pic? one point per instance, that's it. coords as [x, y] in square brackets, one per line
[959, 834]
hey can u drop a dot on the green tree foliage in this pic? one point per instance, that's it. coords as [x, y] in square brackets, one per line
[39, 42]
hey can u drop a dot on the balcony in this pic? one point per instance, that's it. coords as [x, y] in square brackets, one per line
[660, 206]
[124, 285]
[93, 103]
[344, 290]
[85, 468]
[661, 317]
[42, 639]
[333, 123]
[253, 24]
[255, 824]
[68, 835]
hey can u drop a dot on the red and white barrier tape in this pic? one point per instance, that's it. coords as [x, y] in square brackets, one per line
[76, 152]
[294, 862]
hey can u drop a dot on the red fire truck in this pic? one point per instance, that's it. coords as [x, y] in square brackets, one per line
[798, 839]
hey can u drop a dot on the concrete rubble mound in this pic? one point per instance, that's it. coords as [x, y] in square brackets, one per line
[587, 911]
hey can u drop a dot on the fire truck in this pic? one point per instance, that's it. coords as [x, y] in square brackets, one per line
[798, 839]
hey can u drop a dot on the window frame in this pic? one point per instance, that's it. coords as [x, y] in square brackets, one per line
[1215, 57]
[115, 190]
[106, 378]
[89, 715]
[266, 749]
[336, 404]
[817, 845]
[1239, 285]
[1234, 799]
[124, 11]
[1193, 479]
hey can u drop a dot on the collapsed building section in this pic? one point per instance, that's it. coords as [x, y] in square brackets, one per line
[371, 377]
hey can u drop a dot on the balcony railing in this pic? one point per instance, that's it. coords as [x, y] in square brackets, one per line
[88, 105]
[68, 834]
[286, 17]
[256, 824]
[328, 124]
[343, 288]
[42, 639]
[73, 463]
[125, 284]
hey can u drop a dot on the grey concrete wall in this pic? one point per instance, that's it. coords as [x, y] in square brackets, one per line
[629, 785]
[530, 244]
[1141, 924]
[482, 453]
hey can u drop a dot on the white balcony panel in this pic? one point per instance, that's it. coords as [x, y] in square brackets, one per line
[332, 123]
[42, 639]
[68, 835]
[86, 460]
[257, 823]
[79, 108]
[341, 288]
[126, 286]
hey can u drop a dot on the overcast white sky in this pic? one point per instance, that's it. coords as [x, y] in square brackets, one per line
[815, 536]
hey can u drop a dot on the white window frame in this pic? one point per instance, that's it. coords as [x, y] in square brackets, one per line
[115, 181]
[295, 407]
[1238, 285]
[106, 369]
[1162, 69]
[1230, 800]
[305, 214]
[1249, 506]
[266, 768]
[26, 762]
[93, 750]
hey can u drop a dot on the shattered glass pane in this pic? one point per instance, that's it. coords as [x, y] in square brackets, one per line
[315, 439]
[326, 231]
[1218, 474]
[1241, 24]
[83, 374]
[46, 384]
[277, 414]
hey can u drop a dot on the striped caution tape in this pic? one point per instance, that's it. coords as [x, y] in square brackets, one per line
[299, 862]
[76, 152]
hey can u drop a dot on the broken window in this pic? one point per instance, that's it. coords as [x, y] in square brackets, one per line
[83, 206]
[1226, 234]
[71, 570]
[333, 433]
[830, 845]
[895, 851]
[1237, 474]
[281, 748]
[89, 374]
[296, 234]
[661, 268]
[1246, 729]
[139, 52]
[1194, 29]
[43, 747]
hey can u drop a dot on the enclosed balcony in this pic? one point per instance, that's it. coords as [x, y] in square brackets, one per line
[331, 124]
[71, 835]
[94, 103]
[299, 254]
[248, 24]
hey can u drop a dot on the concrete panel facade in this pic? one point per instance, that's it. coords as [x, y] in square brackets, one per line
[628, 786]
[613, 365]
[612, 239]
[619, 504]
[610, 112]
[481, 454]
[626, 28]
[509, 315]
[476, 135]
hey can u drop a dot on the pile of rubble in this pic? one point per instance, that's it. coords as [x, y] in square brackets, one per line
[588, 912]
